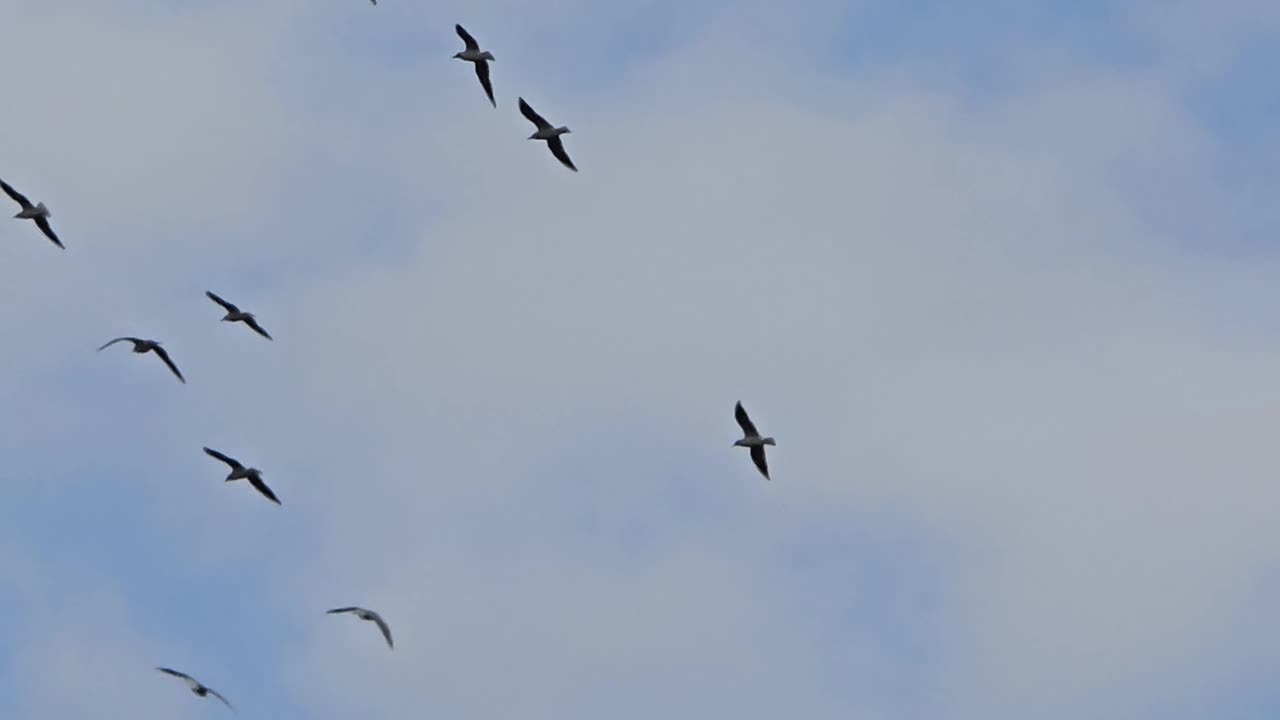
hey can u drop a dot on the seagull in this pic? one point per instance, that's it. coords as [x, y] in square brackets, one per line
[144, 346]
[548, 133]
[370, 616]
[39, 212]
[196, 686]
[481, 59]
[240, 472]
[751, 439]
[234, 314]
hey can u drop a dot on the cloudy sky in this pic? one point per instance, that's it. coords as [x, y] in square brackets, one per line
[1000, 277]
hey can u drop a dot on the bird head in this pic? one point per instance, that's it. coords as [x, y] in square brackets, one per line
[457, 56]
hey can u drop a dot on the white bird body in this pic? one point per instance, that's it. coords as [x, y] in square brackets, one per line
[142, 346]
[754, 442]
[235, 314]
[480, 58]
[549, 133]
[31, 213]
[369, 615]
[474, 55]
[239, 471]
[197, 687]
[752, 439]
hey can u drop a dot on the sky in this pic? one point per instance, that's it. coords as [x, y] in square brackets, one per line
[999, 277]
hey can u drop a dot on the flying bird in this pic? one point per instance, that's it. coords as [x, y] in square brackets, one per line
[235, 314]
[145, 346]
[370, 616]
[196, 686]
[240, 472]
[473, 54]
[39, 213]
[548, 133]
[751, 439]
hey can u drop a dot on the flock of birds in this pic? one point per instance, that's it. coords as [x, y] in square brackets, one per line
[40, 215]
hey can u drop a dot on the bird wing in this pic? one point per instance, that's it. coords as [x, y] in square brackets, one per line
[257, 328]
[261, 487]
[167, 361]
[234, 463]
[557, 149]
[382, 625]
[225, 305]
[482, 72]
[757, 457]
[218, 695]
[748, 427]
[175, 673]
[533, 116]
[43, 223]
[342, 610]
[466, 38]
[190, 681]
[17, 196]
[119, 339]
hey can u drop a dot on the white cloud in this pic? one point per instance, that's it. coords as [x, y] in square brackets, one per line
[510, 431]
